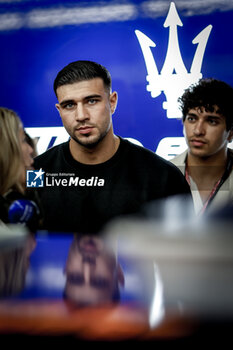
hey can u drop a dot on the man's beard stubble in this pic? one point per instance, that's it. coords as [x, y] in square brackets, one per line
[90, 144]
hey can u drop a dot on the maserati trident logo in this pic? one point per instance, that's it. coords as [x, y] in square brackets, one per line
[174, 77]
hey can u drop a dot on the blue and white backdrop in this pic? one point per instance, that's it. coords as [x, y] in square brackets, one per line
[153, 49]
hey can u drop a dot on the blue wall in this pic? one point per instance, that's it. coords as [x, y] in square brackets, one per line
[37, 38]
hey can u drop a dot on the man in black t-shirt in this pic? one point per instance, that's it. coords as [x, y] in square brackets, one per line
[96, 175]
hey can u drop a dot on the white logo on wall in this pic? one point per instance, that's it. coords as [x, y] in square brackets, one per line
[47, 136]
[174, 77]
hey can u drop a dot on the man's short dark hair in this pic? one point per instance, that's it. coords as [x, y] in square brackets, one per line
[209, 93]
[82, 70]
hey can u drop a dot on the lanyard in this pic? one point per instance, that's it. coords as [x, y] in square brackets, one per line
[218, 184]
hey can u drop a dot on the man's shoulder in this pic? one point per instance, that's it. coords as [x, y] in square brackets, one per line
[145, 155]
[50, 155]
[180, 159]
[139, 151]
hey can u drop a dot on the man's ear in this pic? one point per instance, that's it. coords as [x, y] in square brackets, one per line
[120, 276]
[184, 132]
[57, 107]
[113, 101]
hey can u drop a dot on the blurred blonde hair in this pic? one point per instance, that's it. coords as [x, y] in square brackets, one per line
[10, 151]
[12, 272]
[15, 262]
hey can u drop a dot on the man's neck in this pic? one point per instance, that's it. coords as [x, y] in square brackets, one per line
[207, 166]
[206, 172]
[102, 152]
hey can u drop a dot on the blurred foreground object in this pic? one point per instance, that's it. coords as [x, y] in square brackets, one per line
[16, 245]
[184, 290]
[40, 312]
[194, 259]
[12, 235]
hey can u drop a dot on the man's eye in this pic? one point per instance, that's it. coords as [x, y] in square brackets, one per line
[100, 283]
[75, 279]
[213, 121]
[69, 106]
[92, 101]
[190, 119]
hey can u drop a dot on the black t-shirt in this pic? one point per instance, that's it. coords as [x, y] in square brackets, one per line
[82, 198]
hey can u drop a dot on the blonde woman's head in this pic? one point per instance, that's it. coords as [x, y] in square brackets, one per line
[12, 164]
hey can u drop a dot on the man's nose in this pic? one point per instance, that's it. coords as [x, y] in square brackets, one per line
[87, 273]
[199, 128]
[80, 113]
[88, 267]
[89, 259]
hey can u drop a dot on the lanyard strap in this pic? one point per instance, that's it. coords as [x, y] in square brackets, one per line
[218, 184]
